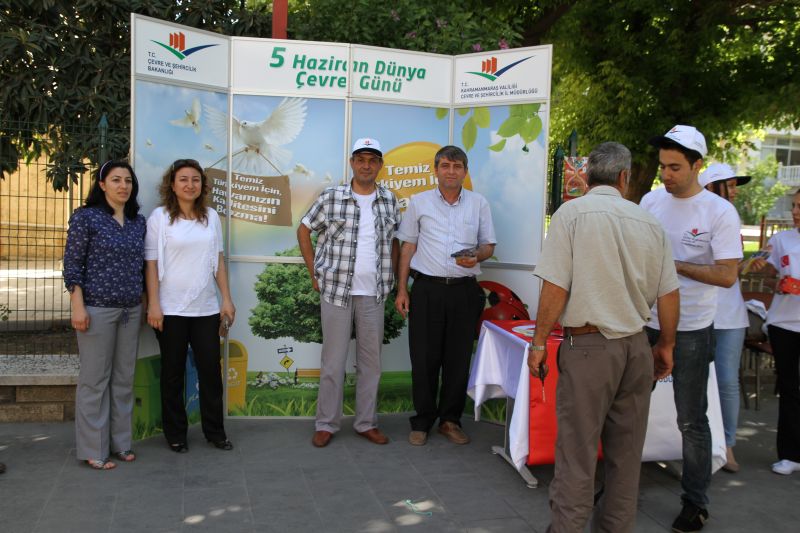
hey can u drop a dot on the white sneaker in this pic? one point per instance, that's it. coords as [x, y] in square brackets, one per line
[785, 467]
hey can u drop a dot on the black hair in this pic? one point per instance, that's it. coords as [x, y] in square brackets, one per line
[692, 156]
[97, 196]
[453, 153]
[720, 188]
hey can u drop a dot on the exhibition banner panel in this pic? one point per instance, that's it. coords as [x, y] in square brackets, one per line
[289, 114]
[297, 141]
[507, 150]
[385, 73]
[275, 346]
[290, 67]
[410, 137]
[503, 76]
[180, 53]
[171, 123]
[576, 181]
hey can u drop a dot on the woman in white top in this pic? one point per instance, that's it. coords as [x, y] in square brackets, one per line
[730, 322]
[783, 321]
[184, 269]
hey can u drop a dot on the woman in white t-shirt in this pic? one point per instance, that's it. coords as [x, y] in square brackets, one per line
[730, 322]
[184, 269]
[783, 321]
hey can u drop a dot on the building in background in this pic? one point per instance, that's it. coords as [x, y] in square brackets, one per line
[785, 147]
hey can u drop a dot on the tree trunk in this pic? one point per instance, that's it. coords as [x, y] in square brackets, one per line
[641, 180]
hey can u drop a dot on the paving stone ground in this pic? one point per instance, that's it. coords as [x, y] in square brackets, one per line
[275, 480]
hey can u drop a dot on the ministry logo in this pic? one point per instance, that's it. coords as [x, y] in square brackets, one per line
[490, 71]
[177, 46]
[695, 238]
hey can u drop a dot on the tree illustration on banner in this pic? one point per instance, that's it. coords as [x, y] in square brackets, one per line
[288, 306]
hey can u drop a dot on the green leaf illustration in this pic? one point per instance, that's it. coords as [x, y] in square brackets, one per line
[531, 129]
[463, 111]
[511, 126]
[482, 117]
[516, 111]
[441, 112]
[468, 134]
[498, 146]
[530, 109]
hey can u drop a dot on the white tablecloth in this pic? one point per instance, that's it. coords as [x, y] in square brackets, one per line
[500, 370]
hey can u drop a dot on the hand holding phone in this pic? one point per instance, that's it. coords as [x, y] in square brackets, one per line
[466, 252]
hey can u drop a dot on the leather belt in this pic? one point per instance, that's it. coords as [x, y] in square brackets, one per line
[444, 281]
[582, 330]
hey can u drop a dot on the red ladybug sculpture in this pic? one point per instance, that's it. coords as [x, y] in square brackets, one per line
[501, 304]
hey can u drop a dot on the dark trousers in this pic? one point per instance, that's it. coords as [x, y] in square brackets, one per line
[441, 332]
[202, 333]
[693, 353]
[786, 347]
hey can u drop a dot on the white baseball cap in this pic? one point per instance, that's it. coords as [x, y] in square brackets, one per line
[719, 172]
[686, 136]
[367, 145]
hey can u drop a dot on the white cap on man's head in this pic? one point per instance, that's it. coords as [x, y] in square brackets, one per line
[718, 172]
[367, 145]
[686, 136]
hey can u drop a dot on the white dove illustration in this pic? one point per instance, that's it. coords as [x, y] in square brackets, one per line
[191, 118]
[301, 170]
[257, 146]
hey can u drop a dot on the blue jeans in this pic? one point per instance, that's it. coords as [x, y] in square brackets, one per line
[693, 353]
[727, 355]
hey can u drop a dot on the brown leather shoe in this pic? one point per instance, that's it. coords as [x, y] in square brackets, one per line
[453, 433]
[374, 435]
[418, 438]
[321, 438]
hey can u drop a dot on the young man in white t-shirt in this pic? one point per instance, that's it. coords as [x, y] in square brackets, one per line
[353, 269]
[704, 232]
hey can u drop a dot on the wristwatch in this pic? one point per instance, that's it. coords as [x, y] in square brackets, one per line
[534, 348]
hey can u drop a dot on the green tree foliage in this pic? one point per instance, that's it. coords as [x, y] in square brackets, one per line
[66, 63]
[627, 70]
[624, 70]
[288, 306]
[754, 200]
[430, 26]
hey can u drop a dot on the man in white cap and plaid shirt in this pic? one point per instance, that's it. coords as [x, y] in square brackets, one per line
[703, 230]
[354, 270]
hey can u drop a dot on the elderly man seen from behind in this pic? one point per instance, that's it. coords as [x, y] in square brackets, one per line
[604, 263]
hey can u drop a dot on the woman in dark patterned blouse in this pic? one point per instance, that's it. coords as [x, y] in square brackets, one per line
[103, 271]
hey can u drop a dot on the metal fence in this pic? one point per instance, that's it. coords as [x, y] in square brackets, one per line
[34, 307]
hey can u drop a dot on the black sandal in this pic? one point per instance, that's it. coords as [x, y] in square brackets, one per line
[224, 444]
[179, 447]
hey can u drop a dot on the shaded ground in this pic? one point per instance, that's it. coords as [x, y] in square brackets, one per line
[276, 481]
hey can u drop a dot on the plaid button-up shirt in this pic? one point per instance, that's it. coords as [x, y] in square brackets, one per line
[334, 217]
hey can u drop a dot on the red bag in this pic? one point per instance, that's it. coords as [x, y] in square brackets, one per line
[543, 424]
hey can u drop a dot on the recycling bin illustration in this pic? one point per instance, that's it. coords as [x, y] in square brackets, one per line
[236, 374]
[147, 392]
